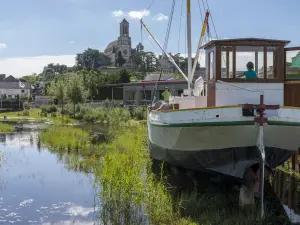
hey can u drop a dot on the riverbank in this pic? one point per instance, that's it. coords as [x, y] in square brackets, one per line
[134, 192]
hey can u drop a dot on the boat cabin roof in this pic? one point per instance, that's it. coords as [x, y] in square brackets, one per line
[246, 42]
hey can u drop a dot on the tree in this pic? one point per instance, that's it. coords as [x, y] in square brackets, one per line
[75, 89]
[120, 61]
[124, 76]
[92, 59]
[58, 89]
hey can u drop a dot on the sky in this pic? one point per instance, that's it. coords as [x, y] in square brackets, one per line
[34, 33]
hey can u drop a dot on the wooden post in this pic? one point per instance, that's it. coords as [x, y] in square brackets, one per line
[233, 62]
[256, 61]
[265, 63]
[227, 63]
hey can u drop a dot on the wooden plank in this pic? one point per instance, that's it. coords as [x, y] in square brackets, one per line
[227, 63]
[233, 62]
[217, 62]
[265, 62]
[256, 61]
[292, 48]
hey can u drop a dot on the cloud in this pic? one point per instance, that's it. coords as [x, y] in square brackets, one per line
[71, 42]
[134, 14]
[138, 14]
[118, 13]
[27, 65]
[3, 45]
[160, 17]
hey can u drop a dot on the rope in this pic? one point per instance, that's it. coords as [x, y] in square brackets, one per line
[164, 47]
[212, 19]
[148, 8]
[168, 33]
[180, 25]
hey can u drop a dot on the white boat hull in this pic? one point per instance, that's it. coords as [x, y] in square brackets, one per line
[225, 144]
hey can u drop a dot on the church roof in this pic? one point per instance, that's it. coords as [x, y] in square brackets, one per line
[124, 21]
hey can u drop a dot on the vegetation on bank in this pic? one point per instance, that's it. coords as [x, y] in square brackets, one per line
[5, 128]
[132, 192]
[69, 138]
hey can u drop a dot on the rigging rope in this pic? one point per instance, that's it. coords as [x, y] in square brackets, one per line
[165, 46]
[212, 19]
[180, 26]
[148, 9]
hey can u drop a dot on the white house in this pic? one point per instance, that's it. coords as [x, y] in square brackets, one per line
[12, 87]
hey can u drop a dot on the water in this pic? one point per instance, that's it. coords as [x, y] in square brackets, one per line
[37, 188]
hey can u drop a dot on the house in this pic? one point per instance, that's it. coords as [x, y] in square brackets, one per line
[11, 87]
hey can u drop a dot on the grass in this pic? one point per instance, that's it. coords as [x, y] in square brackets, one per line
[134, 192]
[5, 128]
[69, 138]
[33, 113]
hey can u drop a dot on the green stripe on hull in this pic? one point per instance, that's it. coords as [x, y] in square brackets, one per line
[284, 123]
[206, 124]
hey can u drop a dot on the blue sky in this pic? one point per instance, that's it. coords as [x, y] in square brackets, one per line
[55, 30]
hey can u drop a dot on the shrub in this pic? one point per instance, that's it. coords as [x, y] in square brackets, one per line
[53, 114]
[140, 113]
[26, 105]
[25, 113]
[49, 109]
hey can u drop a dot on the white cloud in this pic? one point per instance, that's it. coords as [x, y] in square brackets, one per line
[23, 66]
[71, 42]
[118, 13]
[3, 45]
[160, 17]
[138, 14]
[134, 14]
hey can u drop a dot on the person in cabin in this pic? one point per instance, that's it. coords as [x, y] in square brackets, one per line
[250, 73]
[166, 94]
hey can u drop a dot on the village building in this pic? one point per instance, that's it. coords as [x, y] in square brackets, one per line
[11, 87]
[121, 46]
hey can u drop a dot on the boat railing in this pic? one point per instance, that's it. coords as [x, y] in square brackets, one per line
[242, 88]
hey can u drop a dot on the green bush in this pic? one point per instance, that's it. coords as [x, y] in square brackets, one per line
[53, 114]
[49, 109]
[25, 113]
[26, 105]
[140, 113]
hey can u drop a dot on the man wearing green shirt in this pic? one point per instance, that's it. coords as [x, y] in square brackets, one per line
[166, 94]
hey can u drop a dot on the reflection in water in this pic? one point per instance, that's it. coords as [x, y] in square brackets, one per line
[287, 188]
[36, 188]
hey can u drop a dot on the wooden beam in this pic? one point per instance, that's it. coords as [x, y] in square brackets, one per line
[292, 49]
[233, 62]
[256, 61]
[217, 63]
[265, 62]
[227, 63]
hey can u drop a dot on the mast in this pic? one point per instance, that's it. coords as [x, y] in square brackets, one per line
[189, 45]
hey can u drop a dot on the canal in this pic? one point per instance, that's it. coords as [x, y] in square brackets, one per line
[36, 186]
[41, 186]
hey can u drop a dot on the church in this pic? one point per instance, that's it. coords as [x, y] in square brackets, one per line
[123, 45]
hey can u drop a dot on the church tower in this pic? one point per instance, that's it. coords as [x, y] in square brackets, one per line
[124, 41]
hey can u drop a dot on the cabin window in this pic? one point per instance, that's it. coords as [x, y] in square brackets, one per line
[292, 64]
[211, 65]
[226, 60]
[246, 54]
[234, 61]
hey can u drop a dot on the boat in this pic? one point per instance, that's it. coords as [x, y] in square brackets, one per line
[226, 123]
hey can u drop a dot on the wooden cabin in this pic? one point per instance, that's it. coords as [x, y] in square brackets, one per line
[277, 67]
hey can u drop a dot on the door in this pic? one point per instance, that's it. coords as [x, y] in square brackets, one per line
[292, 77]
